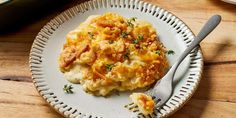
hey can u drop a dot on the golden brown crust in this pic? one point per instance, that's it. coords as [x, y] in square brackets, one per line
[125, 52]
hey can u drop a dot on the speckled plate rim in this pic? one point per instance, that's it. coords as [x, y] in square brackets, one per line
[172, 105]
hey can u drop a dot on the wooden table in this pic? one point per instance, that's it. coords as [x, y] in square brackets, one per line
[215, 97]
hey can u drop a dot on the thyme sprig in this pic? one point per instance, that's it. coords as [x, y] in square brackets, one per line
[130, 21]
[68, 89]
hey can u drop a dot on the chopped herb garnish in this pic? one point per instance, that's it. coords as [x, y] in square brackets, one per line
[158, 52]
[126, 55]
[133, 18]
[91, 35]
[140, 37]
[124, 34]
[170, 52]
[130, 24]
[129, 21]
[109, 67]
[68, 89]
[111, 41]
[136, 41]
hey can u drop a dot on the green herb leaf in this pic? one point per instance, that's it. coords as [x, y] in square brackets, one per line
[158, 52]
[68, 89]
[136, 41]
[140, 37]
[170, 52]
[129, 21]
[130, 24]
[126, 55]
[124, 34]
[91, 35]
[133, 18]
[109, 67]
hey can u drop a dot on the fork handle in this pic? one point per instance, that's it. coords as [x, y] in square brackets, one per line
[208, 28]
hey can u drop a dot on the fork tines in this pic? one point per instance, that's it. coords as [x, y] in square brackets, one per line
[134, 108]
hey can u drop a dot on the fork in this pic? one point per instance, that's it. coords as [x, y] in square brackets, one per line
[163, 89]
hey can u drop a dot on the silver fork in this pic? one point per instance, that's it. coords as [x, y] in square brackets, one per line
[163, 89]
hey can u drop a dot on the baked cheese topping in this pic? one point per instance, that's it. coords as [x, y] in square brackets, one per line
[109, 52]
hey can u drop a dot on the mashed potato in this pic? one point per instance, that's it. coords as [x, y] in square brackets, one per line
[109, 52]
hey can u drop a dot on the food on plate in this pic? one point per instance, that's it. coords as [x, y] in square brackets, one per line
[144, 102]
[109, 53]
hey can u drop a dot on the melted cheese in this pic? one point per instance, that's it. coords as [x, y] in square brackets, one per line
[109, 52]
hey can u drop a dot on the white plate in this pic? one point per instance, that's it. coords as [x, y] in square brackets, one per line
[49, 80]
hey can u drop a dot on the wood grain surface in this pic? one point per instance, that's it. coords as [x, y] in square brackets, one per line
[215, 97]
